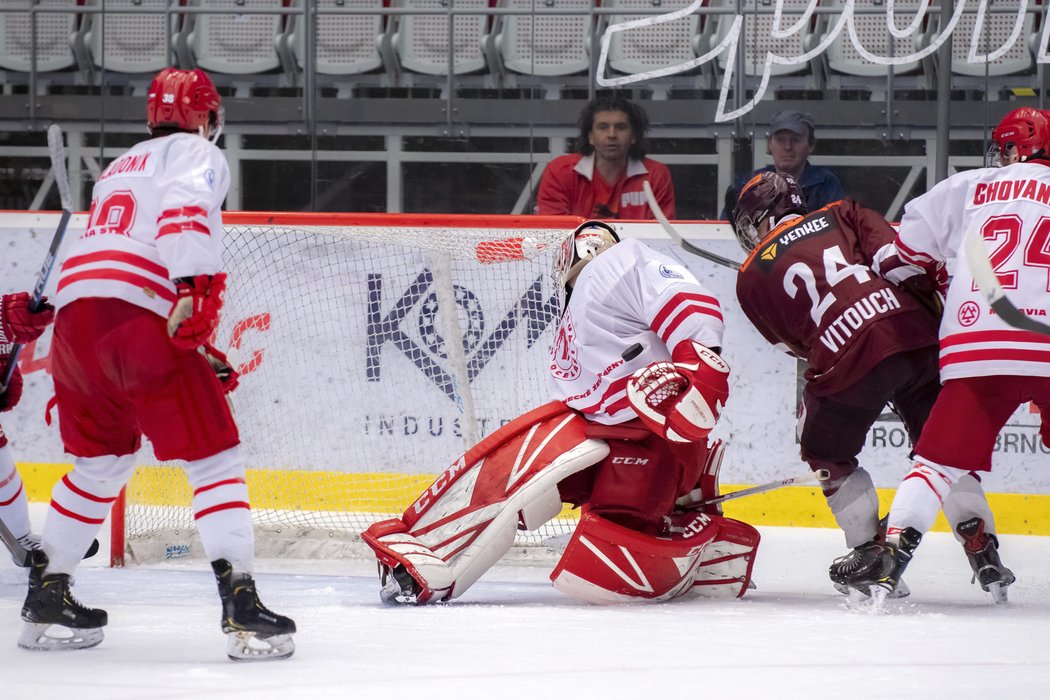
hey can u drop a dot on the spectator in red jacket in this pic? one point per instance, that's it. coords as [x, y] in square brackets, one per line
[603, 180]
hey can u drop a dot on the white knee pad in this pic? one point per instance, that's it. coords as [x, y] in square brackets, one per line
[856, 508]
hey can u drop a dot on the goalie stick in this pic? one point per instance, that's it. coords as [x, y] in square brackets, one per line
[988, 282]
[678, 238]
[58, 166]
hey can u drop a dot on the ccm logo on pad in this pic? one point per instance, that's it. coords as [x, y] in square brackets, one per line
[630, 460]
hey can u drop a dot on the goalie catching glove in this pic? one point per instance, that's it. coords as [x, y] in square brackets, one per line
[196, 312]
[681, 400]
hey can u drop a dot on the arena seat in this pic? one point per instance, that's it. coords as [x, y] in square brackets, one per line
[1003, 28]
[658, 45]
[541, 46]
[53, 31]
[346, 45]
[848, 69]
[135, 43]
[420, 43]
[232, 44]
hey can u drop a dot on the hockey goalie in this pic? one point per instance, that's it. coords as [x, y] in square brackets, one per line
[638, 385]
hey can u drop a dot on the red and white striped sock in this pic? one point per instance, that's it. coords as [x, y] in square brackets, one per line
[79, 506]
[14, 505]
[220, 507]
[919, 497]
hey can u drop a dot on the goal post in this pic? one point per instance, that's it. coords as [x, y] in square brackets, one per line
[373, 349]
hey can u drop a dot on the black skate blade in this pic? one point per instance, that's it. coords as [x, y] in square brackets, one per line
[43, 636]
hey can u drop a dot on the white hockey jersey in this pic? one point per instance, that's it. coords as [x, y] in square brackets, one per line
[156, 215]
[628, 294]
[1010, 207]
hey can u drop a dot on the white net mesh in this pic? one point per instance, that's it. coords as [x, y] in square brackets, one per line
[354, 393]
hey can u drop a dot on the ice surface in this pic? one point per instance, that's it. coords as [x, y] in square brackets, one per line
[513, 636]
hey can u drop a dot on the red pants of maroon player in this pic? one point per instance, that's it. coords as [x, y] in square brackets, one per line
[966, 420]
[118, 376]
[637, 483]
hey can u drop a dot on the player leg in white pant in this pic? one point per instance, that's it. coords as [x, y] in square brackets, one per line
[14, 505]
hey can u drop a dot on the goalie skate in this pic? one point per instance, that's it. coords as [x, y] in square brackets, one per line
[55, 620]
[253, 633]
[397, 587]
[982, 552]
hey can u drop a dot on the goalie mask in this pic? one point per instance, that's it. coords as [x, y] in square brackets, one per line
[1022, 134]
[588, 241]
[767, 197]
[184, 100]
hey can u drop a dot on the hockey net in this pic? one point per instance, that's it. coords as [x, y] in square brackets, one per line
[373, 350]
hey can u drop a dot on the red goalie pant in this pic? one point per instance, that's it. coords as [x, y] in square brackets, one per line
[117, 375]
[638, 483]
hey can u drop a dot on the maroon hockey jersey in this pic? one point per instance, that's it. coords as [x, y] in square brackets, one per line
[809, 289]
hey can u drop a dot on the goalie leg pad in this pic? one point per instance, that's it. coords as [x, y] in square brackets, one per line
[726, 564]
[467, 519]
[394, 547]
[608, 563]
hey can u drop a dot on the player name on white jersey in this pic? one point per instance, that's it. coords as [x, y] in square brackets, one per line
[1008, 190]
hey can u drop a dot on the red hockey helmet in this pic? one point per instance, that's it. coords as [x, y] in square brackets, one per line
[184, 100]
[1026, 129]
[768, 196]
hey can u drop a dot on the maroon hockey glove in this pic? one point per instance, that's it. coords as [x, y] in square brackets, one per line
[20, 325]
[196, 312]
[228, 376]
[10, 398]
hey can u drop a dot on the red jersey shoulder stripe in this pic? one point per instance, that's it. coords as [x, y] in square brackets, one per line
[676, 301]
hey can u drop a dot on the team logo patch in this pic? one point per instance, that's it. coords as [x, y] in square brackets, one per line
[565, 364]
[670, 274]
[969, 313]
[209, 178]
[770, 253]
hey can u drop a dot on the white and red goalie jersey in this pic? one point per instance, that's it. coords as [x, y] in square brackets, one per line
[155, 216]
[1010, 208]
[629, 294]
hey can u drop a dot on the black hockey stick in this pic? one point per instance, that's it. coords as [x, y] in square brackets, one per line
[58, 166]
[988, 282]
[677, 237]
[21, 555]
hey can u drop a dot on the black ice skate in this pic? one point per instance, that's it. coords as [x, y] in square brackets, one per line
[54, 618]
[397, 587]
[878, 570]
[982, 551]
[862, 560]
[254, 633]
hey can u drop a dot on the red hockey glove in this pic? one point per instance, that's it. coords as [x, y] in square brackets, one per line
[228, 376]
[682, 400]
[926, 285]
[20, 325]
[10, 398]
[196, 311]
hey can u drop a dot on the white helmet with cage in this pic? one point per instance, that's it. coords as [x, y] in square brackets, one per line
[588, 241]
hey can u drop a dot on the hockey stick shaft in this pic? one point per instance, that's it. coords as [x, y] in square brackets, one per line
[58, 165]
[808, 477]
[677, 237]
[988, 282]
[18, 552]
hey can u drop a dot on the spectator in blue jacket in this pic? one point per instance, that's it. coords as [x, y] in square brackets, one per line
[790, 142]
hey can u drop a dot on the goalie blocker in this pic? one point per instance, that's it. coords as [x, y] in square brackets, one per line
[518, 477]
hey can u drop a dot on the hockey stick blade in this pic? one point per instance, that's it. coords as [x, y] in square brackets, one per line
[811, 476]
[677, 237]
[58, 166]
[988, 282]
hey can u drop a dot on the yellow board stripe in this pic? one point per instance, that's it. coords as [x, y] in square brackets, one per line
[796, 506]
